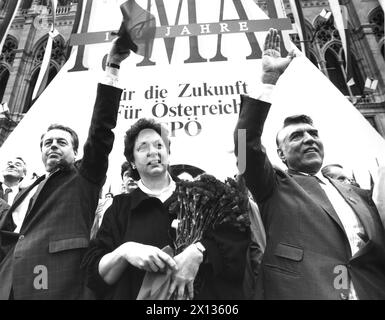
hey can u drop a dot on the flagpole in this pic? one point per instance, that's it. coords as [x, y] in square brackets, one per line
[7, 24]
[346, 82]
[299, 20]
[42, 79]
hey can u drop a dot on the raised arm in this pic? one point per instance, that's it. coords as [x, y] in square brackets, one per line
[259, 173]
[100, 136]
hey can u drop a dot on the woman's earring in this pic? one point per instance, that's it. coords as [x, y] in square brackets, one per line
[133, 166]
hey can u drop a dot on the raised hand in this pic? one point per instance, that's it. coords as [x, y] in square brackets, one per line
[117, 53]
[188, 263]
[147, 257]
[273, 65]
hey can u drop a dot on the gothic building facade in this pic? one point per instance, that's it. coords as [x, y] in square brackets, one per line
[23, 53]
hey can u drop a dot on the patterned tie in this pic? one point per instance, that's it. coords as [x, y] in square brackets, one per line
[6, 192]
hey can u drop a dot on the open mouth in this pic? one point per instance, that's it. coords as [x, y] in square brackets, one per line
[53, 155]
[154, 162]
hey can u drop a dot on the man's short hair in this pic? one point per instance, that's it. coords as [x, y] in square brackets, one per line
[295, 119]
[326, 169]
[74, 136]
[125, 167]
[25, 165]
[132, 134]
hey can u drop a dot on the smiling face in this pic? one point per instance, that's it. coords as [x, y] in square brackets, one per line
[57, 149]
[14, 170]
[300, 148]
[151, 157]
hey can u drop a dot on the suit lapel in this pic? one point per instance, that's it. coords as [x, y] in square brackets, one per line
[18, 199]
[318, 195]
[358, 206]
[23, 193]
[37, 193]
[29, 218]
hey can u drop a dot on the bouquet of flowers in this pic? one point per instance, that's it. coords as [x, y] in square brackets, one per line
[198, 206]
[206, 203]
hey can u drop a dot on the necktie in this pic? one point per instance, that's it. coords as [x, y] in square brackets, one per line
[6, 192]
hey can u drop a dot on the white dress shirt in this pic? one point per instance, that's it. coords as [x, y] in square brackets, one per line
[349, 220]
[20, 211]
[163, 194]
[11, 194]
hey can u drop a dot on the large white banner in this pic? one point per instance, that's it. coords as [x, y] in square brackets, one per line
[205, 54]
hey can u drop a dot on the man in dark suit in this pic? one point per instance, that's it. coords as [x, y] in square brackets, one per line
[13, 174]
[336, 171]
[46, 231]
[324, 241]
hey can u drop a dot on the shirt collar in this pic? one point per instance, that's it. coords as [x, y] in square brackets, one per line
[14, 189]
[165, 192]
[318, 175]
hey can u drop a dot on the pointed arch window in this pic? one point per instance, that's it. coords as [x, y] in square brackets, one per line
[376, 18]
[57, 60]
[335, 73]
[9, 50]
[28, 101]
[336, 66]
[4, 76]
[326, 32]
[57, 55]
[7, 58]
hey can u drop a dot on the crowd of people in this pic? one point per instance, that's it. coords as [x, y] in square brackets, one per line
[313, 232]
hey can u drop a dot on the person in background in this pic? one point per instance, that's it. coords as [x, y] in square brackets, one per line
[337, 172]
[128, 185]
[128, 182]
[13, 174]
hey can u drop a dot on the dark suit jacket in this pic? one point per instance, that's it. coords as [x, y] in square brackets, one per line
[2, 191]
[4, 206]
[307, 254]
[140, 218]
[56, 229]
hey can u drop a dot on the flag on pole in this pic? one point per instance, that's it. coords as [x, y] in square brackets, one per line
[42, 79]
[299, 21]
[340, 14]
[11, 10]
[325, 14]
